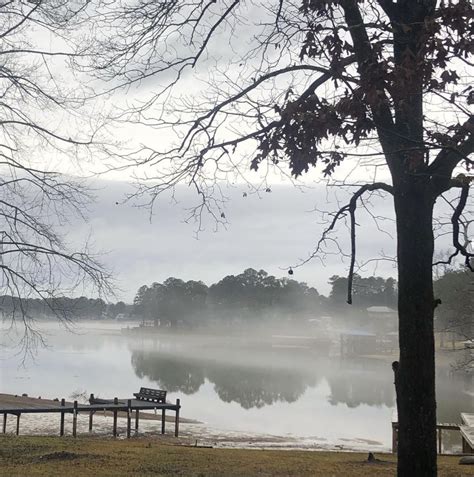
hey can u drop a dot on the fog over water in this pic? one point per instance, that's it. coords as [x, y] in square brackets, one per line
[245, 383]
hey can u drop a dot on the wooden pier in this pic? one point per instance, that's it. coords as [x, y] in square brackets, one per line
[467, 432]
[129, 406]
[439, 430]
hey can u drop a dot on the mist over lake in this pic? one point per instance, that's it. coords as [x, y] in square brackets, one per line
[244, 384]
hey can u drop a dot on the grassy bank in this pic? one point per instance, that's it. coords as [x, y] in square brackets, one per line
[53, 456]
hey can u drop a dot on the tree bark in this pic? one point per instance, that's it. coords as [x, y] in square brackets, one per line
[416, 400]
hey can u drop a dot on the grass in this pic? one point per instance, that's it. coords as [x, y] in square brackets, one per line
[88, 456]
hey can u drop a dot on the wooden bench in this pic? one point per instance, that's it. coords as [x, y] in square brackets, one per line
[151, 395]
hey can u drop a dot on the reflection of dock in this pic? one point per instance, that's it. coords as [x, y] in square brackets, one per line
[127, 406]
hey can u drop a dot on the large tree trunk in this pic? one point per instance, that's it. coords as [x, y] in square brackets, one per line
[416, 371]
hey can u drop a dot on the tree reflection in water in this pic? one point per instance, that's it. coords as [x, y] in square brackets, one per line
[170, 372]
[248, 385]
[257, 387]
[357, 383]
[255, 379]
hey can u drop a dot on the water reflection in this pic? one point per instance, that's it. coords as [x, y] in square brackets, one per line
[233, 382]
[169, 372]
[358, 383]
[454, 394]
[251, 386]
[255, 379]
[259, 387]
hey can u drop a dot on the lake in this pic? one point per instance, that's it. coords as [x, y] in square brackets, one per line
[234, 386]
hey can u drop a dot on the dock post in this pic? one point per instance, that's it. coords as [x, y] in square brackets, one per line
[74, 420]
[129, 417]
[4, 422]
[91, 417]
[465, 446]
[176, 421]
[137, 419]
[61, 425]
[115, 417]
[163, 420]
[394, 438]
[18, 423]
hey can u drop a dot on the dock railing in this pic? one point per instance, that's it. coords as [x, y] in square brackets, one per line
[439, 429]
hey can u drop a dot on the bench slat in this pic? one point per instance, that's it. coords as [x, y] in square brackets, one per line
[148, 394]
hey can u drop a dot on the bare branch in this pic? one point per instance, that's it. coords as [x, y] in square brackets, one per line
[349, 208]
[455, 220]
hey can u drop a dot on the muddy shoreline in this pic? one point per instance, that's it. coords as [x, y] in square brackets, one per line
[192, 432]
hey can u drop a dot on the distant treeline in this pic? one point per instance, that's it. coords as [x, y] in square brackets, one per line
[366, 292]
[71, 308]
[256, 294]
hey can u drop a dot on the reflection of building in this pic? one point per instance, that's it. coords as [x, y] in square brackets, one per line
[382, 318]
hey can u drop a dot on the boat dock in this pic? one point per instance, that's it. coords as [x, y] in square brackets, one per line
[131, 407]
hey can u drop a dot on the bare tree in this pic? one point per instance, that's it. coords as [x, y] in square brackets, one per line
[46, 132]
[297, 84]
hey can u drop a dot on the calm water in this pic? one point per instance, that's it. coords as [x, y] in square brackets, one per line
[230, 385]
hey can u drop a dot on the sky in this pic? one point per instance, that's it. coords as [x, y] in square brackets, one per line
[273, 230]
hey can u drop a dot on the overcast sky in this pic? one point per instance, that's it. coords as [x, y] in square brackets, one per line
[272, 231]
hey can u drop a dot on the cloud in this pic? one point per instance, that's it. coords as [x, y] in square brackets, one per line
[271, 231]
